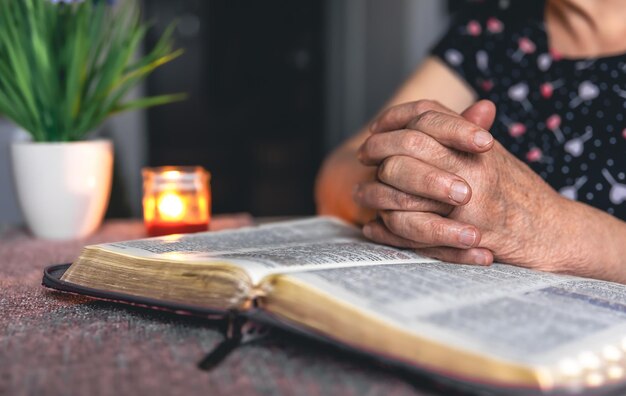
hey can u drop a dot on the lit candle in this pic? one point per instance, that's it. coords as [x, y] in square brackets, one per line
[176, 200]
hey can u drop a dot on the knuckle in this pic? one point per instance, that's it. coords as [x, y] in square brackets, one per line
[423, 105]
[446, 159]
[436, 104]
[403, 200]
[395, 220]
[428, 118]
[413, 141]
[457, 128]
[372, 198]
[389, 113]
[383, 198]
[438, 231]
[388, 168]
[433, 180]
[441, 157]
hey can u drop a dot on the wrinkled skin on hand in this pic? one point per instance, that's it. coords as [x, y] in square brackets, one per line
[446, 188]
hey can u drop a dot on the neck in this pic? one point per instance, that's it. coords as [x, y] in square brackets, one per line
[587, 27]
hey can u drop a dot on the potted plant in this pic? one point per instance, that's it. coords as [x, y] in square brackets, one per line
[65, 67]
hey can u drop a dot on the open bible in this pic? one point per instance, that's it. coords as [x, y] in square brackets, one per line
[499, 327]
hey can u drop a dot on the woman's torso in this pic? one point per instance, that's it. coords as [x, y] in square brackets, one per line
[563, 117]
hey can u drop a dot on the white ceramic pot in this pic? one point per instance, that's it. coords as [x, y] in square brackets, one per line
[63, 188]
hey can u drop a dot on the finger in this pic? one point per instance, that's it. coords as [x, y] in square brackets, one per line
[453, 131]
[378, 232]
[480, 117]
[380, 196]
[397, 117]
[477, 256]
[481, 113]
[419, 178]
[431, 229]
[408, 143]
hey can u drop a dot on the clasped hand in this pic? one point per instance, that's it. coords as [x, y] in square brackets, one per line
[446, 188]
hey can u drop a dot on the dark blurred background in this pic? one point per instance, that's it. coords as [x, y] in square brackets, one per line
[254, 71]
[273, 86]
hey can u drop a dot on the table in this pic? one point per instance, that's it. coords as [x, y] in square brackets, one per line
[58, 344]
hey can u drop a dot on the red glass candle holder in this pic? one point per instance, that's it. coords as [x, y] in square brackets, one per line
[176, 200]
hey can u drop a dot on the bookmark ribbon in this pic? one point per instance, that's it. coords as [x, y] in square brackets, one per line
[238, 331]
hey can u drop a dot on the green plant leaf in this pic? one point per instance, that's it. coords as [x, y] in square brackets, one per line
[65, 68]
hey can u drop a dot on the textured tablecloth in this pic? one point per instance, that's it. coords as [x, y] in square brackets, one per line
[58, 344]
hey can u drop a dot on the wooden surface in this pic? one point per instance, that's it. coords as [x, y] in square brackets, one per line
[58, 344]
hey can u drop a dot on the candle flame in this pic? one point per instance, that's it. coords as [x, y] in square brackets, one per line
[171, 206]
[173, 174]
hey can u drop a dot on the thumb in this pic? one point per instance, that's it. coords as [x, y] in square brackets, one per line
[481, 113]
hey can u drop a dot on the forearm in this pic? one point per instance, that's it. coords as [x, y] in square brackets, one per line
[600, 240]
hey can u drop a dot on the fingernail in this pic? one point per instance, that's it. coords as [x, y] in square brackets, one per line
[458, 191]
[482, 138]
[467, 237]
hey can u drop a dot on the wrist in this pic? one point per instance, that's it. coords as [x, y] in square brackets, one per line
[597, 243]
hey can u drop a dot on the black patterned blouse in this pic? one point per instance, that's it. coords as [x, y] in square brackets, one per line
[564, 117]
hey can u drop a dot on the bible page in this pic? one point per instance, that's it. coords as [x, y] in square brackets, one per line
[513, 313]
[320, 242]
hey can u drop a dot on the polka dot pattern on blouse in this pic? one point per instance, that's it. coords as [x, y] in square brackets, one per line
[564, 117]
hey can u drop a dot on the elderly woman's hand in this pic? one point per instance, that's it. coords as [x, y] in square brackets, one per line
[447, 189]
